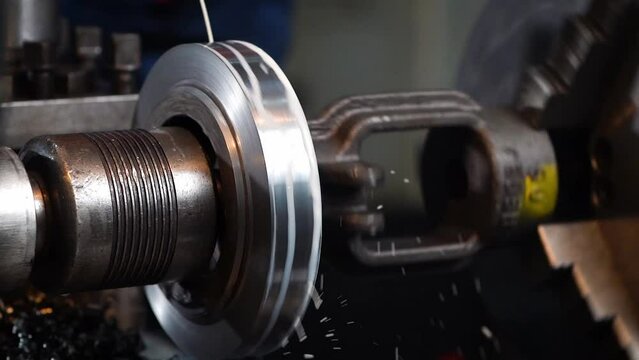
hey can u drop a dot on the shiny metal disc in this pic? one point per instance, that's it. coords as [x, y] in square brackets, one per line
[267, 252]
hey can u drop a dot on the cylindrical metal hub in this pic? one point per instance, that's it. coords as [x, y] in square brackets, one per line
[17, 222]
[123, 208]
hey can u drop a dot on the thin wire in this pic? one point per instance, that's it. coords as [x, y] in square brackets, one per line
[207, 22]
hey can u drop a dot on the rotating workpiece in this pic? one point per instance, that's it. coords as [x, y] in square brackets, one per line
[218, 201]
[214, 203]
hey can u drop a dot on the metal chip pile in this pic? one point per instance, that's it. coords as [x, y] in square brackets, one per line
[36, 327]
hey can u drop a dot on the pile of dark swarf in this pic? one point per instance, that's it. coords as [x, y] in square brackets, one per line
[36, 327]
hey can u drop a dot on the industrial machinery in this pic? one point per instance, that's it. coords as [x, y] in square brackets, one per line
[212, 190]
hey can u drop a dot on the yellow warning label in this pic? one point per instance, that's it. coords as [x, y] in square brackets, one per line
[540, 193]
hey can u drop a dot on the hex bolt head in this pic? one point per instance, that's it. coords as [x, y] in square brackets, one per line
[126, 52]
[88, 42]
[71, 82]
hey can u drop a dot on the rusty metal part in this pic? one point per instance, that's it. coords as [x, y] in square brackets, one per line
[122, 208]
[508, 172]
[603, 258]
[348, 182]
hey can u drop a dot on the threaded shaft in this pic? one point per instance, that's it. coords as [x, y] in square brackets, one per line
[144, 207]
[123, 208]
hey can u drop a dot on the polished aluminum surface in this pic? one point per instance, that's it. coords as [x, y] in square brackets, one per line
[17, 222]
[269, 194]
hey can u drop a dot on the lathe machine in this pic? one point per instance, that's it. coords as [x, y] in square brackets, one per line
[258, 232]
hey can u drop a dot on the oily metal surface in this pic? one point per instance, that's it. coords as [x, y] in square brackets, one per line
[124, 208]
[603, 257]
[268, 248]
[17, 222]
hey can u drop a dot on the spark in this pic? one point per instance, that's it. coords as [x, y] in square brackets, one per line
[329, 335]
[418, 239]
[264, 68]
[301, 334]
[392, 172]
[325, 319]
[486, 331]
[403, 271]
[337, 348]
[380, 207]
[350, 323]
[453, 288]
[406, 181]
[477, 285]
[441, 297]
[317, 299]
[309, 356]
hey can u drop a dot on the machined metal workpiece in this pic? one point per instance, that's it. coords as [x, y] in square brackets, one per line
[226, 144]
[265, 264]
[18, 229]
[122, 208]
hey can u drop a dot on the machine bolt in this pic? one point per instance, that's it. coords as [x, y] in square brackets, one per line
[125, 61]
[71, 82]
[88, 44]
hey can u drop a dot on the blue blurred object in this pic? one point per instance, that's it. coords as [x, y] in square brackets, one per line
[166, 23]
